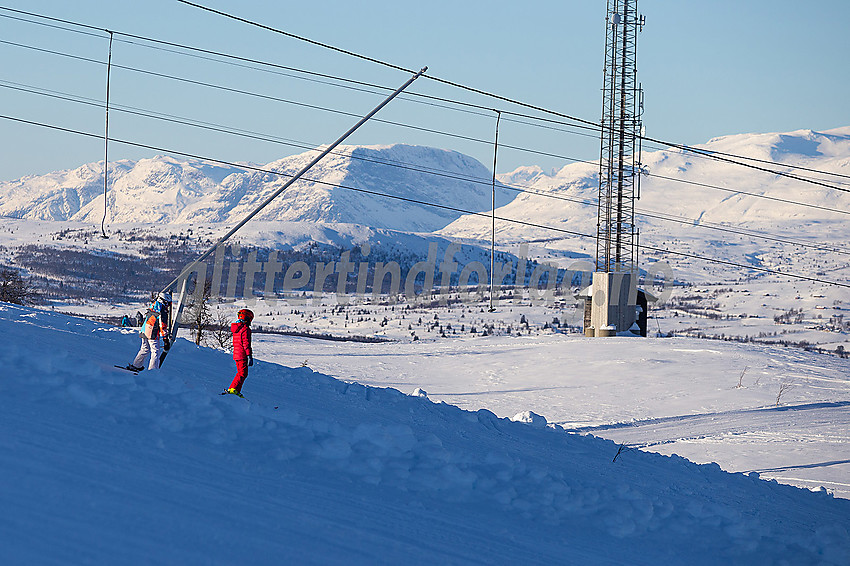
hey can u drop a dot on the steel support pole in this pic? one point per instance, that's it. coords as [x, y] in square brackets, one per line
[493, 216]
[106, 142]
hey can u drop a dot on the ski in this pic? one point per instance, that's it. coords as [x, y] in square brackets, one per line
[125, 368]
[226, 392]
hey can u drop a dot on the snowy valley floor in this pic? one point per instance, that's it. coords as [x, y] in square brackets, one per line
[102, 466]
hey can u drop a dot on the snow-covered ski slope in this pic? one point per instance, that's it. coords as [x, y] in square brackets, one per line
[104, 467]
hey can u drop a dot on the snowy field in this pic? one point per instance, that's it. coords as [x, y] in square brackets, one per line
[102, 466]
[672, 396]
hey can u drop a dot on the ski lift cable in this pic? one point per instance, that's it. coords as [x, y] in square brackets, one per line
[383, 63]
[442, 173]
[266, 66]
[54, 26]
[588, 125]
[261, 95]
[739, 192]
[473, 89]
[411, 126]
[251, 134]
[719, 157]
[210, 126]
[239, 61]
[293, 102]
[431, 204]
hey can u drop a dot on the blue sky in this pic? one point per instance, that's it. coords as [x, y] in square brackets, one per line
[707, 68]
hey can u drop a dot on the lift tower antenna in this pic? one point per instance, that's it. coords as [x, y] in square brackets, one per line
[611, 305]
[619, 163]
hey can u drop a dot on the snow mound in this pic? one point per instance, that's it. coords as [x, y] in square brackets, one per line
[531, 418]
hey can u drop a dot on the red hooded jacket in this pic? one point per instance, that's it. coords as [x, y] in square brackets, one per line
[241, 340]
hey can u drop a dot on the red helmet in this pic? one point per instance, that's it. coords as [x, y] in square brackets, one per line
[245, 314]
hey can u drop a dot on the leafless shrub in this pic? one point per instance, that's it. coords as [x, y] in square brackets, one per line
[219, 332]
[622, 448]
[783, 388]
[198, 316]
[741, 378]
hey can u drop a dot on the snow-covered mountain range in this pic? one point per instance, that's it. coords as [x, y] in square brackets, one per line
[166, 190]
[696, 189]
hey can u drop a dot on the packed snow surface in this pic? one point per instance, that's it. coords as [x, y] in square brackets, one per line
[103, 466]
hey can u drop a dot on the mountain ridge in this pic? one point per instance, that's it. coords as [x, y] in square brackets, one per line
[695, 188]
[176, 191]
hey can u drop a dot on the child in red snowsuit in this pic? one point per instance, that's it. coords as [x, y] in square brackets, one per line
[242, 354]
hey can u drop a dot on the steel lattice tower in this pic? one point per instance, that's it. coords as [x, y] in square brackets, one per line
[619, 163]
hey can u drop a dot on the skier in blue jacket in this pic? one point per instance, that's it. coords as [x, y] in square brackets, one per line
[154, 333]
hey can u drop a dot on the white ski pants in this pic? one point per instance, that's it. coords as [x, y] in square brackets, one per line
[152, 346]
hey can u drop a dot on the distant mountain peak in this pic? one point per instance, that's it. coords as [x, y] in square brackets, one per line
[164, 189]
[683, 184]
